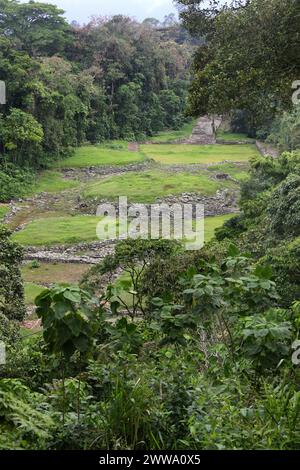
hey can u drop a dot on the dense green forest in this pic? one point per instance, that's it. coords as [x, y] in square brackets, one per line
[66, 85]
[153, 347]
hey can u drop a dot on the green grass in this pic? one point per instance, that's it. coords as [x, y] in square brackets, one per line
[67, 230]
[212, 223]
[233, 137]
[99, 155]
[53, 182]
[4, 209]
[58, 230]
[146, 187]
[31, 292]
[237, 172]
[171, 136]
[48, 273]
[205, 154]
[61, 230]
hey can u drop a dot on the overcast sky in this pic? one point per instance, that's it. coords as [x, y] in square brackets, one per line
[81, 10]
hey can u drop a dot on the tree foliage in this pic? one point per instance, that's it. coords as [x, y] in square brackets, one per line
[249, 59]
[113, 78]
[11, 286]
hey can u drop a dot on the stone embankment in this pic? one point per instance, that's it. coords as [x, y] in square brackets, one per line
[82, 253]
[223, 202]
[85, 174]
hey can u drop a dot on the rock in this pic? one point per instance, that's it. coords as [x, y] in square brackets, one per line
[82, 253]
[222, 176]
[85, 174]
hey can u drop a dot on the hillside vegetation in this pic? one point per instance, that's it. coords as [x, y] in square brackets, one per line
[143, 344]
[113, 78]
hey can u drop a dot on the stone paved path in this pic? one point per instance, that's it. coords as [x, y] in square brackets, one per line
[204, 131]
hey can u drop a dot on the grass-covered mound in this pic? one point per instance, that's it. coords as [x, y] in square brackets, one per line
[98, 155]
[237, 172]
[77, 229]
[147, 186]
[58, 230]
[53, 182]
[228, 136]
[47, 273]
[31, 292]
[205, 154]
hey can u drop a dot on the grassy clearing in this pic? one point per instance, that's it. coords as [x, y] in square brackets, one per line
[98, 155]
[146, 187]
[31, 292]
[68, 230]
[58, 230]
[240, 173]
[4, 209]
[206, 154]
[32, 212]
[233, 137]
[171, 136]
[53, 182]
[47, 273]
[212, 223]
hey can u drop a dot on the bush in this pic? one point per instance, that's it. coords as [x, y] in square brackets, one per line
[11, 286]
[162, 276]
[285, 262]
[234, 415]
[267, 338]
[285, 132]
[9, 331]
[284, 208]
[14, 182]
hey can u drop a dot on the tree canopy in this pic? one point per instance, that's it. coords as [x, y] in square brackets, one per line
[249, 59]
[113, 78]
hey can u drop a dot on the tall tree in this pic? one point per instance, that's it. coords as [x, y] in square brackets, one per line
[34, 27]
[249, 60]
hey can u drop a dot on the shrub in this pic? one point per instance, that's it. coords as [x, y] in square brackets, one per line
[284, 208]
[285, 262]
[14, 182]
[267, 338]
[21, 411]
[285, 132]
[11, 287]
[9, 330]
